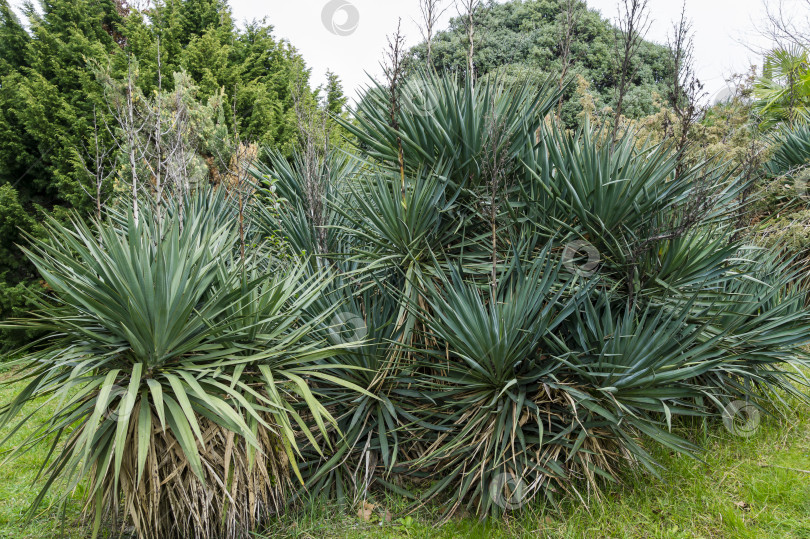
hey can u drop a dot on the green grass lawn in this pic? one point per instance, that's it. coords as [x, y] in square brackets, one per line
[17, 490]
[755, 487]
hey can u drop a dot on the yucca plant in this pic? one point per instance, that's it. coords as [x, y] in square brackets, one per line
[761, 307]
[544, 388]
[656, 227]
[305, 196]
[791, 154]
[488, 386]
[447, 123]
[372, 438]
[501, 370]
[176, 370]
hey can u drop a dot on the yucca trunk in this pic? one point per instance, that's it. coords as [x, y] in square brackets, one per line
[241, 487]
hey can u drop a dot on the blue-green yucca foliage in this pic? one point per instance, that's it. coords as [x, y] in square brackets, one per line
[507, 362]
[791, 155]
[180, 372]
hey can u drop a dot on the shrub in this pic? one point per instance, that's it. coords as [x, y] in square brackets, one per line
[538, 307]
[179, 371]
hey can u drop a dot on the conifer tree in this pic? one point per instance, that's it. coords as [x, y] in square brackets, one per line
[56, 117]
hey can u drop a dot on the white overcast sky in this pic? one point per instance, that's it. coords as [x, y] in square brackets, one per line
[719, 25]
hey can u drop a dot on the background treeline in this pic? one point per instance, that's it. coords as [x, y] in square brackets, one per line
[549, 37]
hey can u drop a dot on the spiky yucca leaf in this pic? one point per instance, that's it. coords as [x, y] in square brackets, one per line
[447, 123]
[791, 154]
[305, 195]
[373, 428]
[486, 387]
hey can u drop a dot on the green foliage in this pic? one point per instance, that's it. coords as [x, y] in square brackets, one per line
[446, 122]
[172, 361]
[334, 99]
[14, 222]
[17, 274]
[13, 40]
[750, 488]
[782, 205]
[536, 307]
[747, 489]
[783, 91]
[472, 298]
[55, 109]
[522, 39]
[791, 154]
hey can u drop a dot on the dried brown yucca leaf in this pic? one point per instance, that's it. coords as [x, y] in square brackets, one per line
[242, 485]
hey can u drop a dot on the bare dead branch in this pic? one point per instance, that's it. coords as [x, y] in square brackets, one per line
[467, 10]
[393, 68]
[103, 166]
[685, 91]
[431, 11]
[785, 24]
[571, 13]
[632, 25]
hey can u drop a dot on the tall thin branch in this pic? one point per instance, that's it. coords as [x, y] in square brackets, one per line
[571, 13]
[393, 68]
[431, 11]
[686, 91]
[785, 24]
[495, 162]
[467, 10]
[103, 166]
[632, 25]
